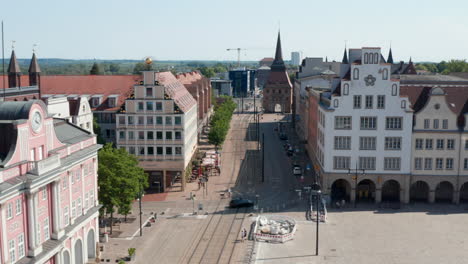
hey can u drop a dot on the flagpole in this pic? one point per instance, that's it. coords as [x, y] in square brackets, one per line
[3, 64]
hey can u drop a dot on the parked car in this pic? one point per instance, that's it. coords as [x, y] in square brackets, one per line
[297, 171]
[240, 202]
[283, 136]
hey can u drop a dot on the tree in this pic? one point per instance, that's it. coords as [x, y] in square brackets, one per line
[120, 180]
[456, 66]
[97, 131]
[220, 121]
[141, 66]
[114, 68]
[95, 70]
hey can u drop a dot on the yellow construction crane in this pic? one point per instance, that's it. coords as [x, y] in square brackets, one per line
[238, 54]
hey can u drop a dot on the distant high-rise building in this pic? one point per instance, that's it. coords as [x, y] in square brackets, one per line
[296, 58]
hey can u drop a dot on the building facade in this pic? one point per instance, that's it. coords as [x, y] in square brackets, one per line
[277, 91]
[76, 110]
[159, 125]
[363, 139]
[295, 58]
[48, 187]
[221, 87]
[243, 81]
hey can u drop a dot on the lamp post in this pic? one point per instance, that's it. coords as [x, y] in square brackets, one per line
[139, 204]
[355, 178]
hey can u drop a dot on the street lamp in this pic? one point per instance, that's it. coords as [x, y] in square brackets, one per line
[317, 204]
[355, 178]
[139, 203]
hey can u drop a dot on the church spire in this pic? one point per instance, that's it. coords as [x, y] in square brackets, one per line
[345, 57]
[278, 63]
[390, 56]
[14, 71]
[34, 71]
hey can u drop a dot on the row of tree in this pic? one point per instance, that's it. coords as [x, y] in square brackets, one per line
[221, 120]
[444, 67]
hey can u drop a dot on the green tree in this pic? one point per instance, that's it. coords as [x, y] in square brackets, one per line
[120, 180]
[114, 68]
[141, 66]
[95, 70]
[456, 66]
[97, 131]
[220, 122]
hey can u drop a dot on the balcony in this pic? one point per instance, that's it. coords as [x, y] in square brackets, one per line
[43, 166]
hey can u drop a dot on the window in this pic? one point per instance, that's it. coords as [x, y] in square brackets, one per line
[66, 219]
[141, 106]
[177, 120]
[345, 89]
[159, 135]
[369, 101]
[376, 58]
[403, 104]
[393, 123]
[44, 193]
[149, 135]
[436, 124]
[141, 150]
[38, 233]
[394, 89]
[72, 177]
[19, 206]
[11, 251]
[335, 103]
[73, 210]
[122, 135]
[465, 164]
[131, 135]
[449, 164]
[149, 106]
[445, 124]
[111, 102]
[21, 246]
[426, 123]
[141, 120]
[159, 120]
[149, 92]
[168, 150]
[342, 142]
[357, 101]
[427, 163]
[46, 229]
[131, 150]
[341, 163]
[342, 122]
[368, 122]
[392, 143]
[440, 144]
[429, 143]
[158, 106]
[419, 143]
[367, 163]
[380, 101]
[78, 207]
[439, 163]
[178, 150]
[451, 144]
[10, 210]
[366, 58]
[150, 150]
[86, 200]
[367, 143]
[168, 120]
[178, 135]
[149, 120]
[141, 135]
[355, 74]
[130, 120]
[466, 143]
[168, 135]
[385, 74]
[391, 163]
[91, 198]
[159, 150]
[418, 163]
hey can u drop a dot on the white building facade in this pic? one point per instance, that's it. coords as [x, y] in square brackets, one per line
[364, 131]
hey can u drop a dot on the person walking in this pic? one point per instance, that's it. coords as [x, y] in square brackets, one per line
[243, 234]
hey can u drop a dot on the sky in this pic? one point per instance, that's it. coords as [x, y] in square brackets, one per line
[426, 30]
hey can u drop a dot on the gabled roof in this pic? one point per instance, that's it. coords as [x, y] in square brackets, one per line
[176, 91]
[13, 67]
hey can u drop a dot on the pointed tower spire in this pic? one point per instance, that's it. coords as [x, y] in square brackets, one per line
[345, 57]
[326, 58]
[278, 63]
[34, 71]
[410, 61]
[390, 56]
[14, 71]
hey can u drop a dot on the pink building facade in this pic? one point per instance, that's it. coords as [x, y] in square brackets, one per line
[48, 187]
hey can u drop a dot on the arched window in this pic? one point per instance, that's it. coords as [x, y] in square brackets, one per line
[335, 103]
[394, 89]
[355, 74]
[385, 74]
[376, 58]
[366, 58]
[345, 89]
[403, 104]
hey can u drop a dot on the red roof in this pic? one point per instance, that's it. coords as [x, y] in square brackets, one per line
[176, 90]
[267, 59]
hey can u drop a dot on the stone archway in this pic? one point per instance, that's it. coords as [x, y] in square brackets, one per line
[91, 244]
[444, 192]
[79, 252]
[464, 193]
[419, 192]
[391, 191]
[341, 190]
[66, 257]
[365, 191]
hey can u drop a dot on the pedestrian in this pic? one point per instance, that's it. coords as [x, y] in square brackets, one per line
[244, 234]
[229, 192]
[199, 184]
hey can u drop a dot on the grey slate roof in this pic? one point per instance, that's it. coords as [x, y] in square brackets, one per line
[68, 133]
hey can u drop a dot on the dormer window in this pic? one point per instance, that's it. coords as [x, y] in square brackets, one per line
[95, 101]
[111, 102]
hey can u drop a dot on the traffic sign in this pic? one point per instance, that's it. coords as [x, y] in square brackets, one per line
[308, 167]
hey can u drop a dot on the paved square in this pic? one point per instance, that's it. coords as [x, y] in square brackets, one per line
[416, 234]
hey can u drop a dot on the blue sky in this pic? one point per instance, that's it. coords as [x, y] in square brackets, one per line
[202, 30]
